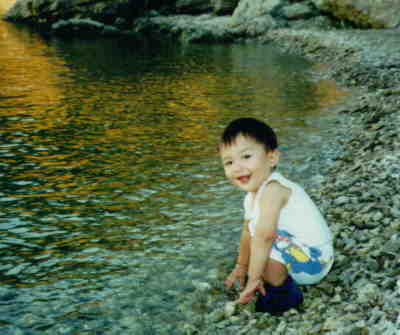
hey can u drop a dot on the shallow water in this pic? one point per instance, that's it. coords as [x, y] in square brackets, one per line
[112, 198]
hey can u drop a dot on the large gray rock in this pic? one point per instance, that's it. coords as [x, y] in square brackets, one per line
[297, 11]
[250, 9]
[363, 13]
[50, 11]
[260, 25]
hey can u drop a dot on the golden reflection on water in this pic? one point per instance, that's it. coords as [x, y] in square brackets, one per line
[30, 77]
[37, 80]
[5, 5]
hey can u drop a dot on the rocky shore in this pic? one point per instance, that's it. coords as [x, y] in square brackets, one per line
[359, 197]
[200, 20]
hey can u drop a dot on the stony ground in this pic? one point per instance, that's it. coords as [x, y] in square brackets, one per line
[360, 198]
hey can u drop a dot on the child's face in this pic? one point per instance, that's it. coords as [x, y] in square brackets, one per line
[247, 164]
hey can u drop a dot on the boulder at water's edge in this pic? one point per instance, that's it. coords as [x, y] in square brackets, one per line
[363, 13]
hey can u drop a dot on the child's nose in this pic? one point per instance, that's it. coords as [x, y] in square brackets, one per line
[237, 166]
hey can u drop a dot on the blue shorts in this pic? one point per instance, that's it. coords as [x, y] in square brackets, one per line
[305, 264]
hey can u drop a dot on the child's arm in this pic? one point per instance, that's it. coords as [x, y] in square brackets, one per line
[242, 262]
[244, 247]
[272, 200]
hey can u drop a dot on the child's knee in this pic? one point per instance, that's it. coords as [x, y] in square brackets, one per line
[275, 273]
[275, 280]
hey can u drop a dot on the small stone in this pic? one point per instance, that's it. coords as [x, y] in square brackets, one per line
[213, 274]
[337, 298]
[202, 286]
[332, 324]
[341, 200]
[377, 216]
[230, 308]
[351, 308]
[368, 293]
[217, 316]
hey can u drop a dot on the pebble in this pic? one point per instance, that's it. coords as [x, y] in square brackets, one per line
[230, 308]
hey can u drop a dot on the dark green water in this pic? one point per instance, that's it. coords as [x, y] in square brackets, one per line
[112, 198]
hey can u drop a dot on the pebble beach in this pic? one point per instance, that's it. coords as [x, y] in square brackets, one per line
[359, 196]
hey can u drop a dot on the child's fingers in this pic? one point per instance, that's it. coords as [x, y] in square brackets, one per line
[242, 283]
[229, 282]
[242, 286]
[245, 298]
[247, 295]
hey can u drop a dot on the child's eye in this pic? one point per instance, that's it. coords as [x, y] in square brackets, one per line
[227, 163]
[247, 156]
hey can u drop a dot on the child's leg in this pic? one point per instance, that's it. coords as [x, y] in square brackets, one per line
[275, 273]
[279, 299]
[282, 293]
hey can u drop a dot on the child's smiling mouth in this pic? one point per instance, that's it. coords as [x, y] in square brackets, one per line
[243, 179]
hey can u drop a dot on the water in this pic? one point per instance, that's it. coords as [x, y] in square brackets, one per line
[112, 198]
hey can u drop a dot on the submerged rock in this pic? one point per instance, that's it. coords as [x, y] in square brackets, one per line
[87, 26]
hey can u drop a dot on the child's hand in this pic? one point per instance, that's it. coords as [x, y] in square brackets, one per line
[238, 273]
[251, 288]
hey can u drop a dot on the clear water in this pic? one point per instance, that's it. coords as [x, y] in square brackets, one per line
[112, 198]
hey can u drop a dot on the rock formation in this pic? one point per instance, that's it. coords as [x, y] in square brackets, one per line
[197, 20]
[363, 13]
[50, 11]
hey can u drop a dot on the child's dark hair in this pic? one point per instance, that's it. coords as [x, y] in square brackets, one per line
[253, 128]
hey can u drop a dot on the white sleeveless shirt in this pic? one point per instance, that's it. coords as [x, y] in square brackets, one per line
[300, 217]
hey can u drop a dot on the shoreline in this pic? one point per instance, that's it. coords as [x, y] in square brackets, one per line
[359, 198]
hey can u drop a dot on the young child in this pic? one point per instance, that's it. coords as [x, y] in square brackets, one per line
[285, 241]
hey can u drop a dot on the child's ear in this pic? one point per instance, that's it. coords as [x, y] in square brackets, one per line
[274, 156]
